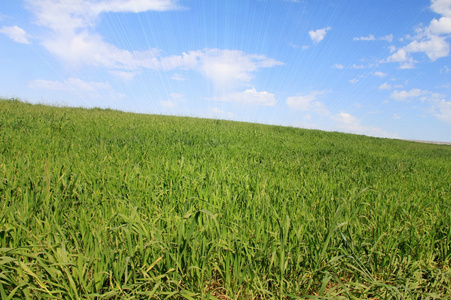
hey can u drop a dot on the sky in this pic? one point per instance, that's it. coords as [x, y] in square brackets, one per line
[379, 68]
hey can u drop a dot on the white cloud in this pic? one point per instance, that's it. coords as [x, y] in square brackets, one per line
[442, 7]
[338, 66]
[428, 40]
[365, 38]
[249, 96]
[345, 118]
[388, 38]
[433, 46]
[308, 102]
[398, 56]
[404, 95]
[402, 57]
[348, 123]
[74, 41]
[90, 49]
[231, 67]
[353, 81]
[225, 68]
[379, 74]
[319, 34]
[440, 108]
[354, 66]
[440, 26]
[443, 110]
[67, 16]
[385, 86]
[16, 33]
[135, 6]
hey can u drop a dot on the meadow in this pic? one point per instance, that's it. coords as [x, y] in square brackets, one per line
[102, 204]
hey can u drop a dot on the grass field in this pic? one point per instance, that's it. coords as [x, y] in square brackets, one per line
[101, 204]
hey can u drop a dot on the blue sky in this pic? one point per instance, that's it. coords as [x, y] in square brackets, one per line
[379, 68]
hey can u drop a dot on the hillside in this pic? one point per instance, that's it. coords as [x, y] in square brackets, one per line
[105, 204]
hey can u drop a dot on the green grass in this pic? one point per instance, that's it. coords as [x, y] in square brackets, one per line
[101, 204]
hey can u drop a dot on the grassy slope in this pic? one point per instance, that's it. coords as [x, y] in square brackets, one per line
[103, 203]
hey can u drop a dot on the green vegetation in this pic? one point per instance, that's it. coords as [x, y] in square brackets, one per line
[101, 204]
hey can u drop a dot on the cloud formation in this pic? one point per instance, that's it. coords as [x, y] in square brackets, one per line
[249, 96]
[442, 110]
[379, 74]
[430, 40]
[348, 123]
[225, 68]
[385, 86]
[404, 95]
[16, 33]
[74, 41]
[308, 102]
[319, 34]
[388, 38]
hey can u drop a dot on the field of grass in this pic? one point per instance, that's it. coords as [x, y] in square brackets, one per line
[101, 204]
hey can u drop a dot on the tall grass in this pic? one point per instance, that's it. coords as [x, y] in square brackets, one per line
[100, 204]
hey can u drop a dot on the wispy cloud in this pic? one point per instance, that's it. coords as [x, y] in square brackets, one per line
[439, 107]
[354, 66]
[308, 102]
[379, 74]
[385, 86]
[388, 38]
[16, 33]
[442, 110]
[319, 34]
[365, 38]
[404, 95]
[349, 123]
[338, 66]
[249, 96]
